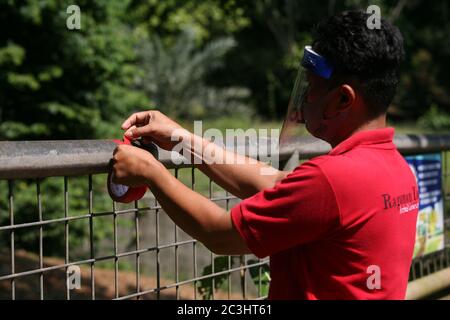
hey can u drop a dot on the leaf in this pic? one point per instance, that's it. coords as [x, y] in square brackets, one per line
[23, 81]
[205, 285]
[12, 54]
[260, 277]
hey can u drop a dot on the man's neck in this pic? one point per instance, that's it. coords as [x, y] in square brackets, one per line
[377, 123]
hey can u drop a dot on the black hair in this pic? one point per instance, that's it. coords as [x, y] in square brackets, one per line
[371, 56]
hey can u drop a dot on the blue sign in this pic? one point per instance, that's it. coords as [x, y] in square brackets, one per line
[430, 221]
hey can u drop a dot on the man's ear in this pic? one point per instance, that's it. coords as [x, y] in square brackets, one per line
[348, 97]
[344, 97]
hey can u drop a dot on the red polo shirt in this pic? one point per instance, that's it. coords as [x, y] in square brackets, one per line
[340, 226]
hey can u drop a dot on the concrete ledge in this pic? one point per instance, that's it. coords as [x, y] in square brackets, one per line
[428, 285]
[37, 159]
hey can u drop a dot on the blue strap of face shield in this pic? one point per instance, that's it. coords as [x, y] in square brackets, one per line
[316, 63]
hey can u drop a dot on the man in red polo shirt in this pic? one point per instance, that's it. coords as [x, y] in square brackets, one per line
[340, 226]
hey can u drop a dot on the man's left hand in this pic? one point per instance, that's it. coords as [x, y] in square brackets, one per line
[132, 165]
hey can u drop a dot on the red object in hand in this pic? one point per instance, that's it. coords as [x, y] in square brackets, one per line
[122, 193]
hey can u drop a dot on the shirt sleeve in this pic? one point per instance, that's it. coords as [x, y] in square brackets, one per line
[299, 209]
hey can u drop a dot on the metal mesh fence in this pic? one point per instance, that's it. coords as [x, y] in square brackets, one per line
[126, 251]
[207, 283]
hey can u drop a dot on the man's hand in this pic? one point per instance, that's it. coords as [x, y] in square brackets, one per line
[195, 214]
[133, 166]
[239, 176]
[154, 126]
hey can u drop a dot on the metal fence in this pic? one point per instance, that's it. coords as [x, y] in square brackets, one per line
[23, 275]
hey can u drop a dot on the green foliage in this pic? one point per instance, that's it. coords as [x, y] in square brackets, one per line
[208, 18]
[435, 119]
[52, 206]
[59, 83]
[174, 77]
[237, 54]
[229, 62]
[269, 45]
[425, 79]
[205, 286]
[259, 275]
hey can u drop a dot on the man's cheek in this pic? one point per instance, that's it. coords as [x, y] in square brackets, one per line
[309, 115]
[313, 118]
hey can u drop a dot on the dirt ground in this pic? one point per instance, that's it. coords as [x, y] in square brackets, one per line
[27, 287]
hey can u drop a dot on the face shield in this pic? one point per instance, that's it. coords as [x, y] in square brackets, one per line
[294, 123]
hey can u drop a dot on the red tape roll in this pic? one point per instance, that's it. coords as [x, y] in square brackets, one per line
[122, 193]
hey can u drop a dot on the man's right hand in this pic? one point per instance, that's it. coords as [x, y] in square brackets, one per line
[156, 127]
[240, 177]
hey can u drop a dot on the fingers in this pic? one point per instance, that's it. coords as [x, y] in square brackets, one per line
[129, 132]
[116, 150]
[135, 132]
[137, 119]
[117, 157]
